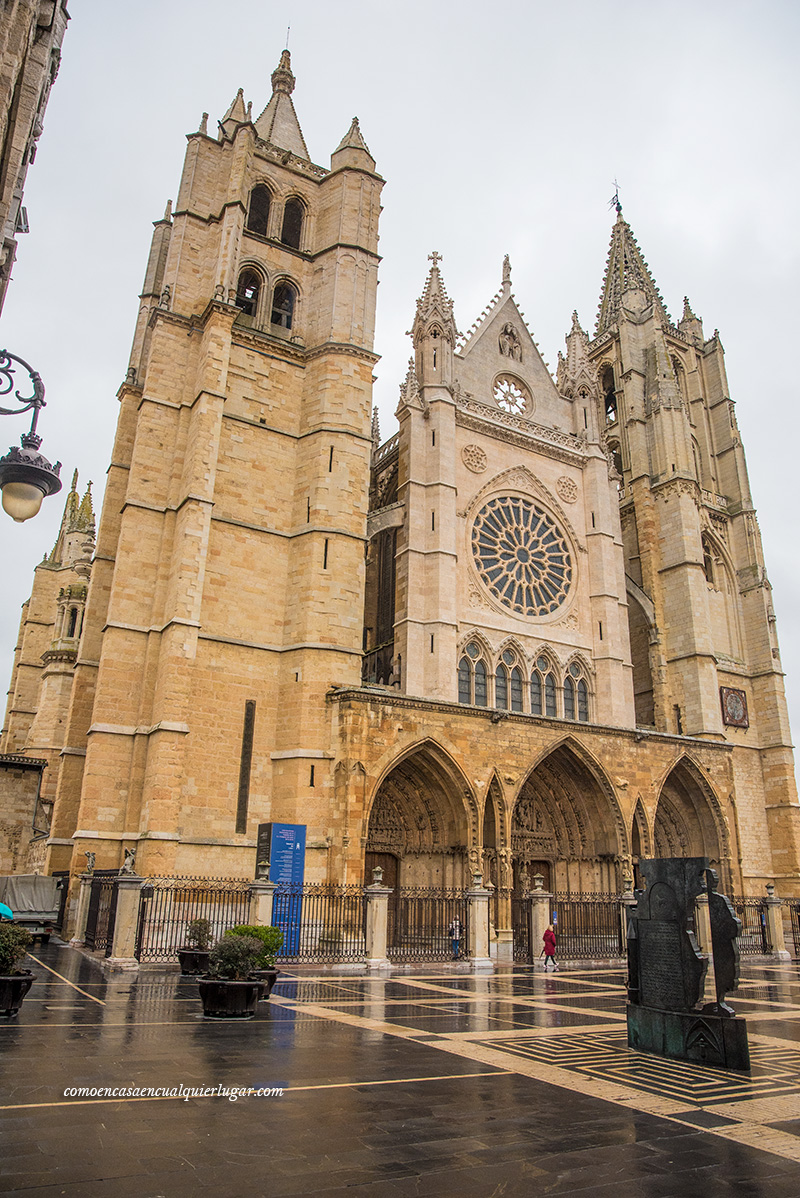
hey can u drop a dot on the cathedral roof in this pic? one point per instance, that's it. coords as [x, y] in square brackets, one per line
[626, 270]
[278, 123]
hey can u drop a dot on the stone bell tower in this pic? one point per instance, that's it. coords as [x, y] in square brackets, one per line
[702, 628]
[227, 592]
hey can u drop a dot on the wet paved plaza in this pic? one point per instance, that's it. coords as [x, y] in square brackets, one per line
[432, 1082]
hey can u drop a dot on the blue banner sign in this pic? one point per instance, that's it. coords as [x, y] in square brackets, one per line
[287, 856]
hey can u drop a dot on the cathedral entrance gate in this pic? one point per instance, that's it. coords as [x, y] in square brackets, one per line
[567, 829]
[419, 826]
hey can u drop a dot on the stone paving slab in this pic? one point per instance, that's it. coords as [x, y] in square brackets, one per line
[423, 1083]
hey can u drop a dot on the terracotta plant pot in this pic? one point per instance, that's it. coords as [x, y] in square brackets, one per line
[228, 1000]
[13, 989]
[193, 961]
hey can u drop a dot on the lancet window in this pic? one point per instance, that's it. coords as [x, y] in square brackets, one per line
[258, 210]
[283, 305]
[247, 291]
[292, 230]
[576, 694]
[473, 677]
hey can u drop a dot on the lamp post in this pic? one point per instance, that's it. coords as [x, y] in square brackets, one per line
[26, 476]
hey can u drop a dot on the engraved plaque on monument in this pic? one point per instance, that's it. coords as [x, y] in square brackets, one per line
[666, 969]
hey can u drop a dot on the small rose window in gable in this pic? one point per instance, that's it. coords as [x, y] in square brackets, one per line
[511, 395]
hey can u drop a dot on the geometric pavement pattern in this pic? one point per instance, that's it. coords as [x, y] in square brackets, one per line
[606, 1056]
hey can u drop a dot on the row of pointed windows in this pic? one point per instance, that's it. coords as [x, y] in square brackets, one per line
[248, 294]
[258, 217]
[543, 691]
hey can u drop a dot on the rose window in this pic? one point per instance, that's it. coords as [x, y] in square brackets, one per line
[510, 395]
[521, 556]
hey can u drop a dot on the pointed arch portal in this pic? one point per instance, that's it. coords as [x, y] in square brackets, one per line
[567, 827]
[686, 822]
[419, 827]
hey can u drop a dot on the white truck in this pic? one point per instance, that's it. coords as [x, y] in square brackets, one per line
[35, 901]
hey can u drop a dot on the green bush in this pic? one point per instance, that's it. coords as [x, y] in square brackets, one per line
[270, 939]
[14, 943]
[233, 958]
[199, 935]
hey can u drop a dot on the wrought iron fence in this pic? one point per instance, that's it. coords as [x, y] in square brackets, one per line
[420, 922]
[794, 913]
[588, 926]
[320, 922]
[102, 912]
[520, 924]
[754, 939]
[168, 905]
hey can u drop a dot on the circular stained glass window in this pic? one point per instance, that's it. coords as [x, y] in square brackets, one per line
[521, 556]
[510, 395]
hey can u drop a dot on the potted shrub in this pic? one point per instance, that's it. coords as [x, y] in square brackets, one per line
[228, 991]
[14, 983]
[194, 954]
[271, 940]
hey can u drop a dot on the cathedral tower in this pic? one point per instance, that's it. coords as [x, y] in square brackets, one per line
[227, 592]
[702, 628]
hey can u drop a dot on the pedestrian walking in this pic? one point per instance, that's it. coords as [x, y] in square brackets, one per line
[455, 931]
[549, 939]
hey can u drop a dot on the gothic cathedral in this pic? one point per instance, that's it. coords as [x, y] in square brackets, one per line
[530, 633]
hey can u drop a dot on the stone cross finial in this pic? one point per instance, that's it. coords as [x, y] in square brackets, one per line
[435, 258]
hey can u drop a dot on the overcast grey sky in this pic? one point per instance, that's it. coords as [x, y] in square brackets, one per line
[499, 129]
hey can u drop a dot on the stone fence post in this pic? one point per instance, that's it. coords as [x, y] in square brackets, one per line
[126, 922]
[775, 925]
[627, 900]
[261, 895]
[377, 897]
[82, 910]
[478, 916]
[538, 919]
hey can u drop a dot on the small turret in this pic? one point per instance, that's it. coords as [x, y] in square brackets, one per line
[434, 330]
[235, 116]
[690, 324]
[352, 150]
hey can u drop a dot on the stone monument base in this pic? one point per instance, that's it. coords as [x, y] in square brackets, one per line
[690, 1036]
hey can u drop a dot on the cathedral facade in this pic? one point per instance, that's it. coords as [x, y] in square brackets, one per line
[530, 633]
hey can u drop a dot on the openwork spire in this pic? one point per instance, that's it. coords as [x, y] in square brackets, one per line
[78, 517]
[626, 271]
[433, 304]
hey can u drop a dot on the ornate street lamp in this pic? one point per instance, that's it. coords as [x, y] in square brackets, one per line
[26, 476]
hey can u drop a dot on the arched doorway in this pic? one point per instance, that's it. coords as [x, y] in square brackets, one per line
[419, 822]
[686, 824]
[567, 827]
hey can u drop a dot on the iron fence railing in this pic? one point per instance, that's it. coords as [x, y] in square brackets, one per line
[320, 922]
[794, 915]
[168, 905]
[588, 926]
[754, 939]
[520, 926]
[101, 916]
[420, 921]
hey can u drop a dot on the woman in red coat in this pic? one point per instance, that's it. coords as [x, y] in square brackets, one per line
[550, 947]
